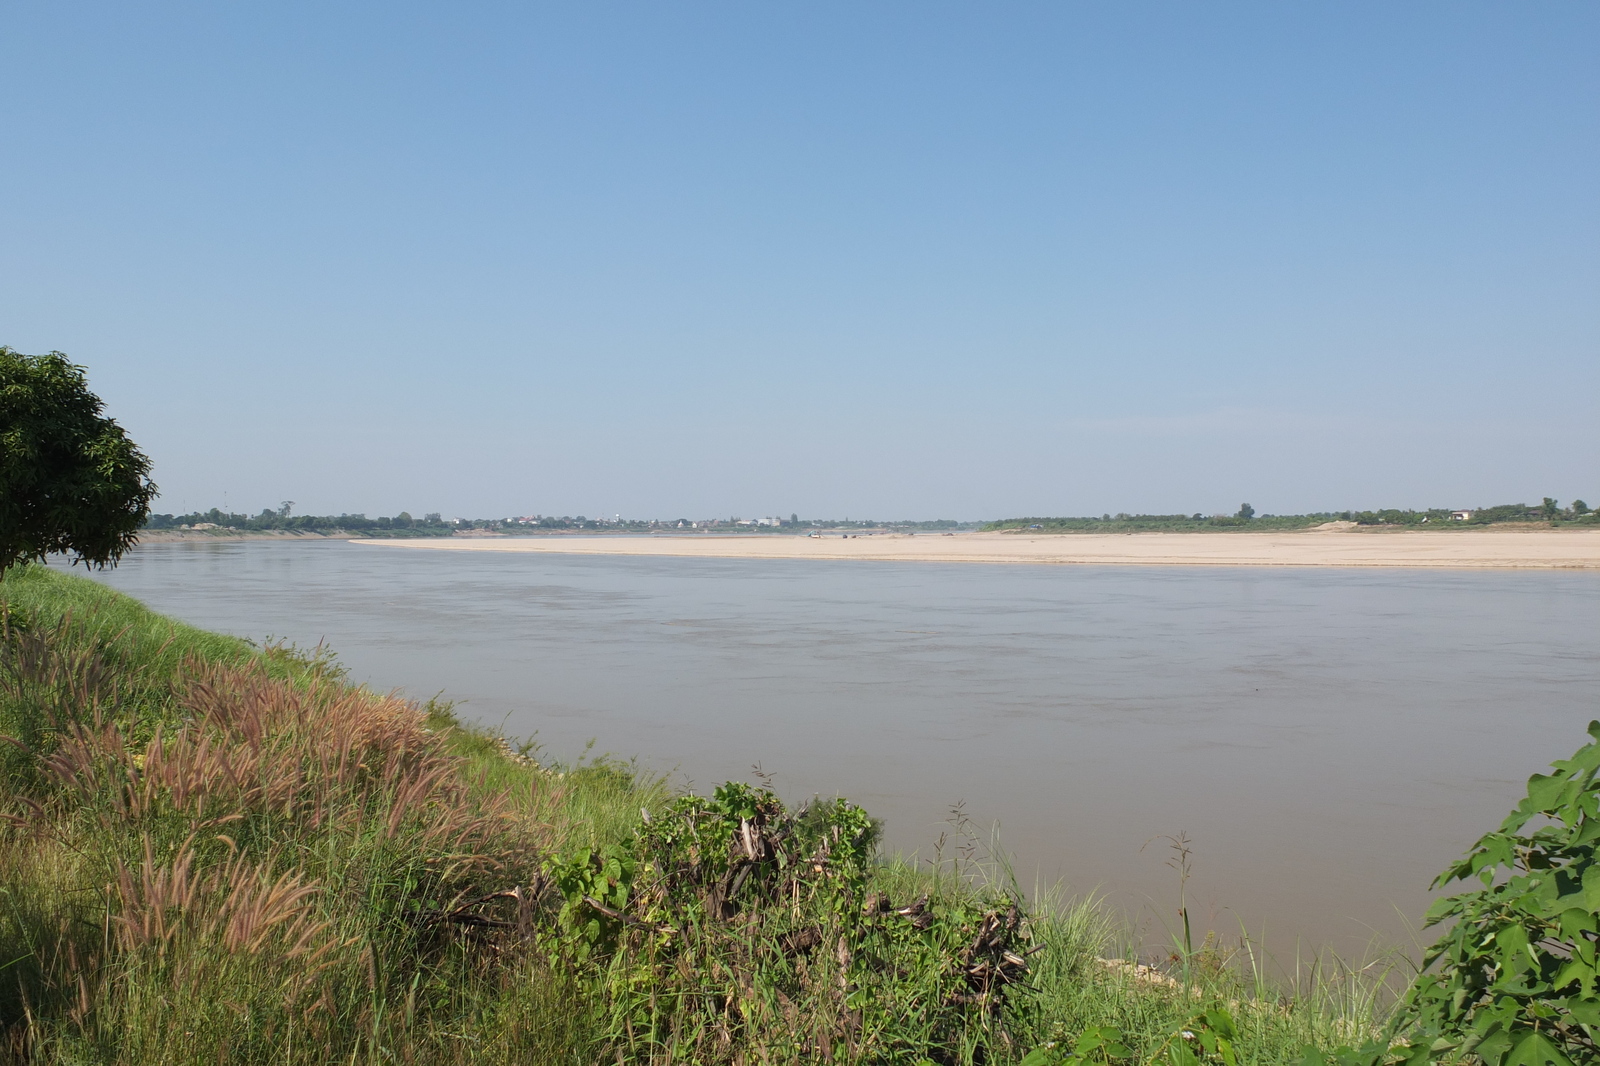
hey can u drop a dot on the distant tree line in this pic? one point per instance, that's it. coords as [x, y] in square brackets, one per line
[1165, 523]
[280, 520]
[432, 525]
[1549, 512]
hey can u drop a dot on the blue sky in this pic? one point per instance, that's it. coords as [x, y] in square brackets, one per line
[898, 259]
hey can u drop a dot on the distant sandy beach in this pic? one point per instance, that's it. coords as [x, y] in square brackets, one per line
[1533, 549]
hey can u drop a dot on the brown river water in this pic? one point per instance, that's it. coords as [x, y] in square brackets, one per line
[1328, 739]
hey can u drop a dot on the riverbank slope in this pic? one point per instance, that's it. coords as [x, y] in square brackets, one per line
[219, 852]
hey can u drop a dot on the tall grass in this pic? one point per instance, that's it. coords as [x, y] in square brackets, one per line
[213, 852]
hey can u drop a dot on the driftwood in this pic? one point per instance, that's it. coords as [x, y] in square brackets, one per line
[801, 941]
[994, 959]
[467, 918]
[627, 919]
[917, 914]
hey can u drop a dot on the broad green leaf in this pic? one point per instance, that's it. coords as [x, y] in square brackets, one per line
[1536, 1049]
[1544, 792]
[1591, 886]
[1309, 1056]
[1589, 832]
[1418, 1054]
[1221, 1021]
[1441, 909]
[1511, 940]
[1575, 922]
[1576, 970]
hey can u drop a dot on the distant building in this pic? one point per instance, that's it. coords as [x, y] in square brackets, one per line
[1460, 516]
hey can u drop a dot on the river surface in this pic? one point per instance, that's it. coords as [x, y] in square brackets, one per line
[1328, 739]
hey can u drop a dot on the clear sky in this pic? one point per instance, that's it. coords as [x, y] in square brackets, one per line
[887, 259]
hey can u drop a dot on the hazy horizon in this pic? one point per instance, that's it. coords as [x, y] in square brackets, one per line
[674, 516]
[914, 259]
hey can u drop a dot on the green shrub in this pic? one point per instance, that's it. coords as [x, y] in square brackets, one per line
[1514, 978]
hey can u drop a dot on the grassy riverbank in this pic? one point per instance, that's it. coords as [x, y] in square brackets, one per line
[212, 852]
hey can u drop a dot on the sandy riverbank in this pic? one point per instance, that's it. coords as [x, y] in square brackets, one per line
[1544, 549]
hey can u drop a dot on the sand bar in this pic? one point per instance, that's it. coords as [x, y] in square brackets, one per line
[1533, 549]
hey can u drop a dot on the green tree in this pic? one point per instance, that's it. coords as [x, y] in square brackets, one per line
[1552, 507]
[1246, 512]
[1579, 507]
[70, 479]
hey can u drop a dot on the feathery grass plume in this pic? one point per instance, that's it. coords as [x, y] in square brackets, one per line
[235, 903]
[49, 683]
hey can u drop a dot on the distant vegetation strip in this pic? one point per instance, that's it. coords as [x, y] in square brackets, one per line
[280, 521]
[1549, 513]
[435, 525]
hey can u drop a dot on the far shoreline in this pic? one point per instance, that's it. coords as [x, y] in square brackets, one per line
[1473, 550]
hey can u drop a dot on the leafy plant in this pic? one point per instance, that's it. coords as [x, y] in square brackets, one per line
[1208, 1038]
[594, 888]
[1515, 978]
[1513, 981]
[1102, 1044]
[713, 854]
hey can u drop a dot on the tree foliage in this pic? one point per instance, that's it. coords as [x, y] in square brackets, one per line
[70, 479]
